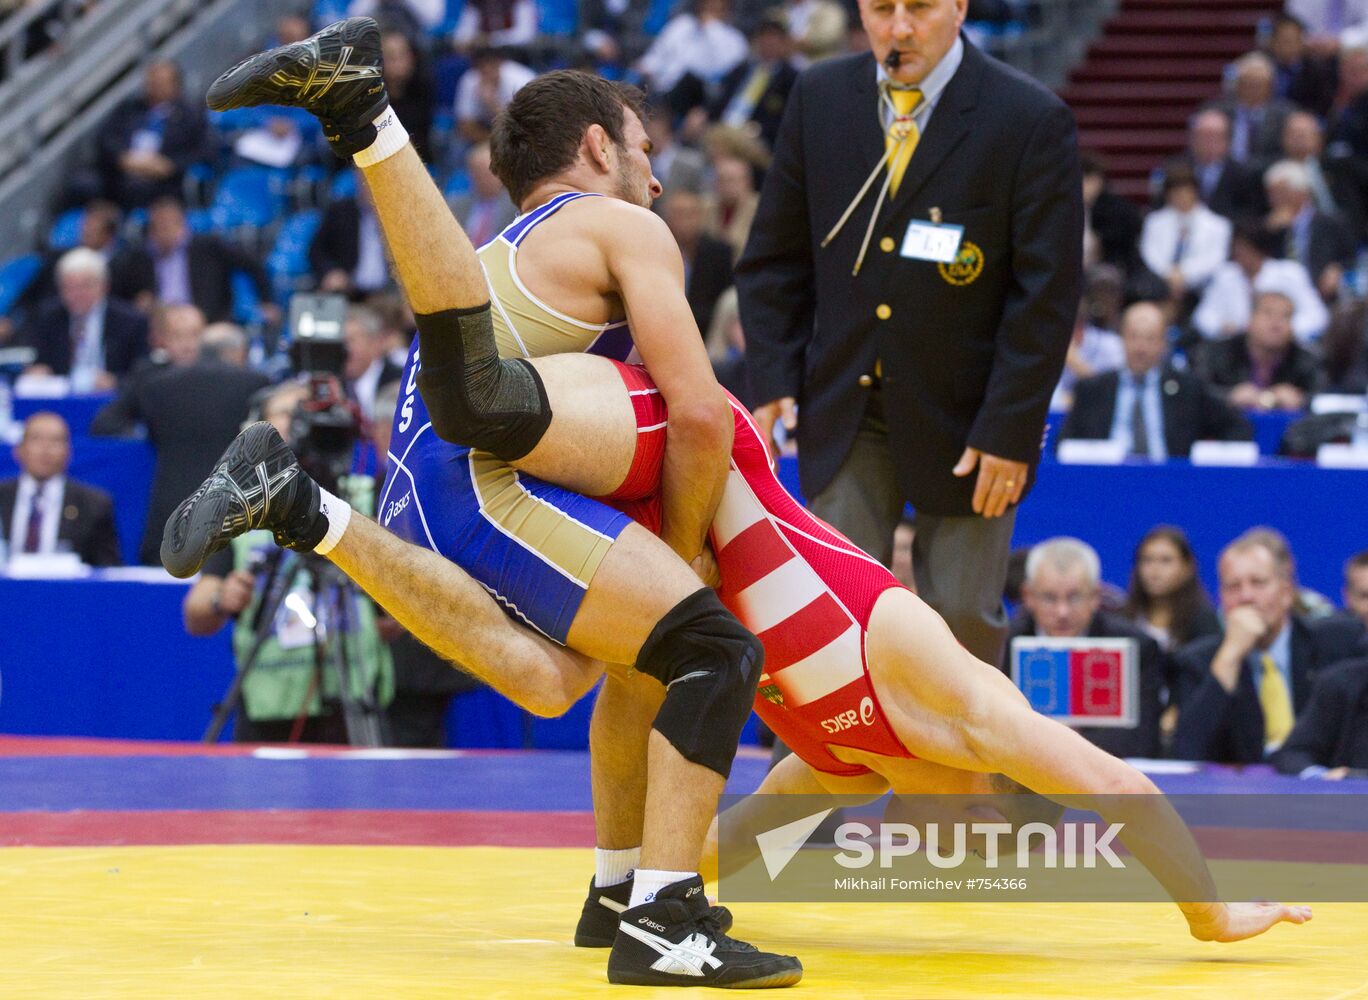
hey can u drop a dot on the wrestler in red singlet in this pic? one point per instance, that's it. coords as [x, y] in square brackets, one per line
[792, 579]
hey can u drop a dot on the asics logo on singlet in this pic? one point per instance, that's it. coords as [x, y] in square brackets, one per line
[397, 507]
[850, 718]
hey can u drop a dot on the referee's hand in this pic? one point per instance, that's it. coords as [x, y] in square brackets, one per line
[783, 410]
[1000, 481]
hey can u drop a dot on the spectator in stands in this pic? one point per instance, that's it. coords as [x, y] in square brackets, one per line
[1254, 267]
[347, 255]
[485, 210]
[484, 90]
[1318, 240]
[1111, 224]
[819, 28]
[148, 141]
[691, 55]
[1348, 129]
[283, 697]
[366, 369]
[676, 166]
[1327, 20]
[1092, 351]
[191, 413]
[726, 343]
[753, 94]
[424, 683]
[408, 81]
[1256, 115]
[1264, 368]
[1184, 242]
[1332, 192]
[1157, 411]
[1355, 592]
[707, 260]
[1330, 739]
[43, 512]
[396, 324]
[1306, 80]
[1165, 598]
[99, 231]
[179, 267]
[1061, 599]
[1226, 186]
[82, 332]
[1239, 690]
[175, 338]
[731, 206]
[499, 23]
[1344, 350]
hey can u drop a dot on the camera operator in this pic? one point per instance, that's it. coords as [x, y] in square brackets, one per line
[285, 696]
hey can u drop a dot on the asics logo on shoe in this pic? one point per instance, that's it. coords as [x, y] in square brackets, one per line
[683, 958]
[652, 924]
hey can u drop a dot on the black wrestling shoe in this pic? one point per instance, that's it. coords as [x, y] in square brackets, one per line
[335, 75]
[674, 941]
[256, 484]
[598, 922]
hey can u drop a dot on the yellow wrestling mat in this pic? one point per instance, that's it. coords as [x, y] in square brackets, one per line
[393, 923]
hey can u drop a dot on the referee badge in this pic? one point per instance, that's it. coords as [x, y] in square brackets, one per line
[966, 267]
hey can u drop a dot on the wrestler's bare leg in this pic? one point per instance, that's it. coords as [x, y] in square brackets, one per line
[639, 580]
[948, 707]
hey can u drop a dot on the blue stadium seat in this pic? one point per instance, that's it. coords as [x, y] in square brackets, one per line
[343, 185]
[558, 17]
[325, 12]
[15, 277]
[200, 220]
[288, 261]
[249, 196]
[246, 305]
[457, 183]
[450, 20]
[66, 229]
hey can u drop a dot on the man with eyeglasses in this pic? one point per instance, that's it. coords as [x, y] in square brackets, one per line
[1062, 600]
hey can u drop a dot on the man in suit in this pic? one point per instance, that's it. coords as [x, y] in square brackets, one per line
[486, 210]
[1062, 600]
[1157, 410]
[191, 410]
[1331, 735]
[1263, 368]
[367, 369]
[42, 511]
[1113, 223]
[678, 167]
[753, 94]
[926, 378]
[1315, 239]
[1256, 115]
[707, 261]
[83, 333]
[1184, 242]
[347, 254]
[148, 141]
[1226, 186]
[1355, 591]
[179, 267]
[1239, 691]
[1307, 80]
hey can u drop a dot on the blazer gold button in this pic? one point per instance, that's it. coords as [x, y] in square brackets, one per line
[866, 381]
[883, 312]
[886, 244]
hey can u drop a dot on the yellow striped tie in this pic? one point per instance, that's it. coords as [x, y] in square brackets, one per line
[1276, 702]
[902, 136]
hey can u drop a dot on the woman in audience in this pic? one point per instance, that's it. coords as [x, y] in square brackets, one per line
[1165, 598]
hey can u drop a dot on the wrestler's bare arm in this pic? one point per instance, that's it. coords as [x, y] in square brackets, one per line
[648, 271]
[952, 708]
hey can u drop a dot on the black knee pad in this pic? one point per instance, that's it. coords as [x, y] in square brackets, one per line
[476, 398]
[709, 665]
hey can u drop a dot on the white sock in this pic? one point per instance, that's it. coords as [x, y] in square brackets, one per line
[614, 867]
[339, 515]
[650, 881]
[390, 137]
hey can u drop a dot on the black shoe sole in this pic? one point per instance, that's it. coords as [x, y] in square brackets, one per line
[254, 81]
[777, 979]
